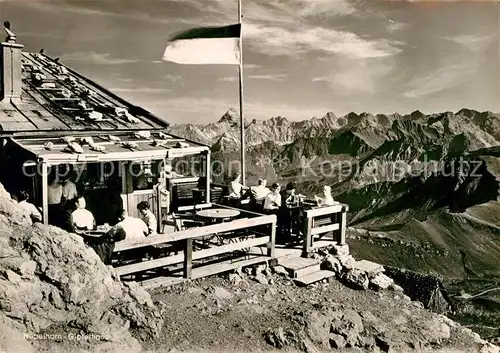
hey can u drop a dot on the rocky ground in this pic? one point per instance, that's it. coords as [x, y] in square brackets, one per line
[236, 313]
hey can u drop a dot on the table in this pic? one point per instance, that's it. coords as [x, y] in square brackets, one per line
[218, 214]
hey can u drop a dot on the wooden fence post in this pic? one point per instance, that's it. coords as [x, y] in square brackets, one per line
[188, 258]
[270, 250]
[307, 226]
[342, 226]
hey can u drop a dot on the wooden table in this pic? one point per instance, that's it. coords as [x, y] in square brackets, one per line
[218, 214]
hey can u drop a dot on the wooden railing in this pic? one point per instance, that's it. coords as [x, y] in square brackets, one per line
[321, 221]
[187, 237]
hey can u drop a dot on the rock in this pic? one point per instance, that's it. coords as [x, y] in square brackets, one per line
[12, 276]
[276, 338]
[12, 339]
[372, 269]
[22, 266]
[340, 250]
[331, 263]
[52, 279]
[308, 346]
[347, 262]
[234, 279]
[337, 341]
[356, 279]
[490, 348]
[349, 325]
[394, 287]
[381, 281]
[222, 294]
[261, 279]
[382, 343]
[435, 331]
[259, 269]
[280, 270]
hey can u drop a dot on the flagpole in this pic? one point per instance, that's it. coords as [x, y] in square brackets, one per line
[242, 123]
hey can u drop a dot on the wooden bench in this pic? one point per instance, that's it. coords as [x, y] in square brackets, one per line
[188, 255]
[324, 220]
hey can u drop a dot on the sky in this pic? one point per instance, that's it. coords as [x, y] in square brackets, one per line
[302, 58]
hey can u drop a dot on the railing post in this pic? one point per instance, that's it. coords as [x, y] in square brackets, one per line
[307, 226]
[272, 242]
[188, 258]
[342, 225]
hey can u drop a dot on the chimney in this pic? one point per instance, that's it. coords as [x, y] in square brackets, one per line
[10, 67]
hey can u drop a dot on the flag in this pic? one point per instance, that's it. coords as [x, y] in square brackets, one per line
[205, 45]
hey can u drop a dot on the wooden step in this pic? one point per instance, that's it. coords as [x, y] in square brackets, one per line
[313, 277]
[299, 266]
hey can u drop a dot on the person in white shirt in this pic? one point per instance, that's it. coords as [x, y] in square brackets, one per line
[147, 217]
[327, 199]
[236, 188]
[82, 219]
[134, 228]
[30, 209]
[260, 191]
[69, 191]
[54, 196]
[272, 202]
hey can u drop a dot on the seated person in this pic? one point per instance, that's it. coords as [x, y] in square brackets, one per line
[272, 202]
[327, 199]
[260, 191]
[134, 228]
[81, 219]
[236, 189]
[147, 217]
[290, 196]
[31, 209]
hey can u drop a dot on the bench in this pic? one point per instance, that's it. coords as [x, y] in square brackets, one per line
[188, 255]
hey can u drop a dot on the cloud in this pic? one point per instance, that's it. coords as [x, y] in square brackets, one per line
[228, 79]
[139, 90]
[172, 78]
[277, 77]
[441, 79]
[473, 41]
[364, 77]
[95, 58]
[281, 41]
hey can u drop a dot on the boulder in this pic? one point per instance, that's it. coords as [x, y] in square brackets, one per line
[331, 263]
[381, 281]
[50, 278]
[356, 279]
[347, 262]
[372, 269]
[340, 250]
[435, 331]
[280, 270]
[337, 341]
[276, 337]
[348, 325]
[261, 279]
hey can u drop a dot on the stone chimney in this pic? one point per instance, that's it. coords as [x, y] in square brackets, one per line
[10, 67]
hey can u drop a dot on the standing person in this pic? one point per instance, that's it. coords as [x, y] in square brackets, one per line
[147, 216]
[69, 190]
[54, 196]
[82, 219]
[31, 209]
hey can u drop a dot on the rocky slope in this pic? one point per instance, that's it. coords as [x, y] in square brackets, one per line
[52, 285]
